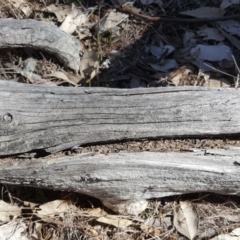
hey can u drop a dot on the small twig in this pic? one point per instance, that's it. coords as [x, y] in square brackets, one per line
[137, 12]
[235, 62]
[215, 69]
[237, 81]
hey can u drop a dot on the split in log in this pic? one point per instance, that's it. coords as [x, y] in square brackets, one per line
[41, 36]
[131, 176]
[56, 118]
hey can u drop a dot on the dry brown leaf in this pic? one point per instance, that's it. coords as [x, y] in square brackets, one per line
[115, 221]
[60, 11]
[57, 207]
[166, 66]
[227, 3]
[186, 219]
[93, 231]
[37, 79]
[159, 52]
[13, 231]
[37, 231]
[29, 66]
[212, 53]
[74, 19]
[27, 71]
[230, 26]
[231, 38]
[151, 230]
[110, 22]
[8, 211]
[93, 74]
[73, 77]
[177, 75]
[61, 75]
[22, 5]
[89, 66]
[94, 211]
[210, 34]
[234, 235]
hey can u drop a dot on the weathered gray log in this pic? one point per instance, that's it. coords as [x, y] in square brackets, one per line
[42, 36]
[128, 176]
[56, 118]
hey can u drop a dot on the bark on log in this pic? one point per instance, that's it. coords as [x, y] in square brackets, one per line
[128, 176]
[56, 118]
[42, 36]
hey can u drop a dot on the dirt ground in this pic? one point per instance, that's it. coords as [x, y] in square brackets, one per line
[163, 145]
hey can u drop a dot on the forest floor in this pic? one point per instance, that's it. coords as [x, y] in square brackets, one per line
[126, 45]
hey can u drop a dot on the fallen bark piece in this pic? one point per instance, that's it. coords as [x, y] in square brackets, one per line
[56, 118]
[46, 37]
[130, 176]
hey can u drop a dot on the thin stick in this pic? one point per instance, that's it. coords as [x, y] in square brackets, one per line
[235, 62]
[137, 12]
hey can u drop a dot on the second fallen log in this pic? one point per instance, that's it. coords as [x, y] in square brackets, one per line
[16, 33]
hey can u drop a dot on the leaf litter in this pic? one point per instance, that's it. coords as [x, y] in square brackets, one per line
[122, 50]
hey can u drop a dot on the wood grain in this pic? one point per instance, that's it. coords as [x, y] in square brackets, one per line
[57, 118]
[129, 176]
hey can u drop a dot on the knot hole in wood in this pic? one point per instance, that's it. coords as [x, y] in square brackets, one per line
[7, 118]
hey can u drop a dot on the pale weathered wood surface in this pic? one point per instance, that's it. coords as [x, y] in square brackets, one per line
[124, 176]
[56, 118]
[41, 36]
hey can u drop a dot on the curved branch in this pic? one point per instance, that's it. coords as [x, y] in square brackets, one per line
[42, 36]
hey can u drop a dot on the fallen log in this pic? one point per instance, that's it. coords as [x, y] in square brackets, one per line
[55, 118]
[17, 33]
[131, 176]
[37, 117]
